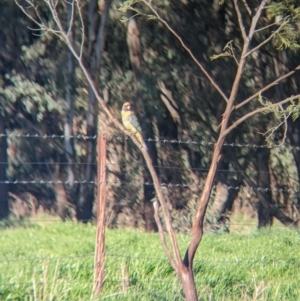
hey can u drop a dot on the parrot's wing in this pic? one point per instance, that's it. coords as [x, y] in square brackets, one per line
[133, 120]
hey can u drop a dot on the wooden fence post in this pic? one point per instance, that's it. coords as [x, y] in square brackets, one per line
[101, 204]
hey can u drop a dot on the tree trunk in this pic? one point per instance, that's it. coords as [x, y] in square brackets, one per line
[224, 197]
[4, 208]
[86, 192]
[96, 41]
[149, 193]
[188, 284]
[133, 42]
[274, 210]
[265, 217]
[68, 127]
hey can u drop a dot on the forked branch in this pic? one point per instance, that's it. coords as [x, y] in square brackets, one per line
[78, 56]
[266, 40]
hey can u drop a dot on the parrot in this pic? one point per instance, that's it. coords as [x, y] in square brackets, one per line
[131, 123]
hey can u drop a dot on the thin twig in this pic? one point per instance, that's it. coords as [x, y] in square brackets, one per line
[255, 19]
[212, 81]
[265, 27]
[247, 7]
[254, 112]
[275, 82]
[240, 20]
[41, 25]
[71, 18]
[266, 40]
[56, 17]
[285, 126]
[241, 65]
[274, 129]
[233, 54]
[82, 29]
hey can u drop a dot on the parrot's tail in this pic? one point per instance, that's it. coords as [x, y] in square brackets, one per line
[140, 138]
[145, 146]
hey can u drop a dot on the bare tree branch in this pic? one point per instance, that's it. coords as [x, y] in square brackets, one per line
[256, 18]
[55, 16]
[242, 60]
[212, 81]
[197, 231]
[265, 27]
[82, 30]
[71, 17]
[266, 40]
[232, 53]
[162, 235]
[247, 7]
[39, 24]
[271, 131]
[240, 20]
[260, 110]
[275, 82]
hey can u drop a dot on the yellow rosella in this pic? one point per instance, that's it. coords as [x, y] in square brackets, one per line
[131, 123]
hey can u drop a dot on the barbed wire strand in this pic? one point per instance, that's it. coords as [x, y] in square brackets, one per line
[155, 139]
[138, 183]
[139, 165]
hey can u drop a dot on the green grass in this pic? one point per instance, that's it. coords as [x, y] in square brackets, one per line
[55, 262]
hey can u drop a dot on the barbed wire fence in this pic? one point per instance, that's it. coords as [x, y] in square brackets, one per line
[248, 189]
[153, 139]
[129, 258]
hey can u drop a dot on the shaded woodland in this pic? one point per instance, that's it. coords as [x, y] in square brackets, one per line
[43, 92]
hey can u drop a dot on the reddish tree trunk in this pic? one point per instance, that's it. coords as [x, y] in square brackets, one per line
[186, 277]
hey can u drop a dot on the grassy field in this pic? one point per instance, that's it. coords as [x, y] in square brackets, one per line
[55, 262]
